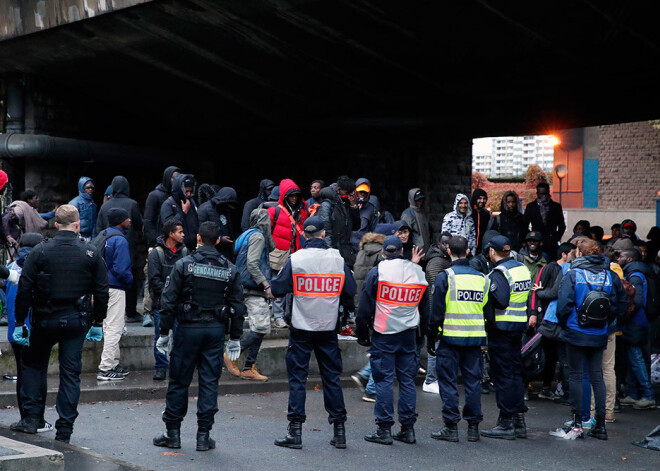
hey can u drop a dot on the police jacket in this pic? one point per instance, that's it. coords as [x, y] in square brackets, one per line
[460, 295]
[203, 288]
[509, 291]
[56, 274]
[388, 311]
[161, 267]
[316, 298]
[572, 291]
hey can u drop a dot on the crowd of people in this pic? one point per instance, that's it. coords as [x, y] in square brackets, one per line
[472, 293]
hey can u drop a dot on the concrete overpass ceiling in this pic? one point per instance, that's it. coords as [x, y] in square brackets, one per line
[199, 68]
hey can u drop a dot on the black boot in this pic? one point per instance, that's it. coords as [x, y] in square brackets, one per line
[170, 439]
[504, 430]
[473, 432]
[339, 437]
[448, 433]
[26, 425]
[293, 438]
[382, 436]
[406, 434]
[519, 425]
[598, 431]
[204, 441]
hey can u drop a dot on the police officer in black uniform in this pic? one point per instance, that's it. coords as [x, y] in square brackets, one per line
[205, 295]
[58, 278]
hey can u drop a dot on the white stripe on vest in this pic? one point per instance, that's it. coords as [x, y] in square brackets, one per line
[318, 278]
[401, 285]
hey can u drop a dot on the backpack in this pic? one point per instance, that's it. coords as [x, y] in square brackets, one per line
[100, 240]
[533, 356]
[161, 253]
[595, 308]
[652, 306]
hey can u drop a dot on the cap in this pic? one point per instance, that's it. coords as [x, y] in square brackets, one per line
[500, 243]
[363, 187]
[313, 224]
[534, 235]
[629, 224]
[392, 244]
[116, 216]
[419, 195]
[623, 244]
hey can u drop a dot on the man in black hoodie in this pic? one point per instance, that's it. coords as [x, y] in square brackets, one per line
[121, 199]
[181, 206]
[220, 210]
[152, 223]
[480, 215]
[341, 216]
[511, 222]
[265, 187]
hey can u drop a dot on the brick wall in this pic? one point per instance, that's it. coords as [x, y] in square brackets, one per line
[629, 167]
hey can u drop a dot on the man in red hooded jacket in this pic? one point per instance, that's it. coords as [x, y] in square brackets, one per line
[286, 220]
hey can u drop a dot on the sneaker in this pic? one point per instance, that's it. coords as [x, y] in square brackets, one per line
[147, 320]
[160, 374]
[347, 332]
[609, 417]
[586, 425]
[254, 374]
[133, 318]
[45, 428]
[627, 401]
[432, 388]
[547, 394]
[280, 323]
[3, 320]
[109, 375]
[360, 381]
[368, 397]
[644, 404]
[121, 370]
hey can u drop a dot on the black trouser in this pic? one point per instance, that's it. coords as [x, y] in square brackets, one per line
[563, 363]
[197, 345]
[505, 366]
[550, 349]
[251, 342]
[18, 352]
[620, 364]
[328, 356]
[594, 358]
[68, 331]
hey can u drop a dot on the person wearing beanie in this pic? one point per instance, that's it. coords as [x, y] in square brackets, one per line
[107, 196]
[114, 246]
[394, 306]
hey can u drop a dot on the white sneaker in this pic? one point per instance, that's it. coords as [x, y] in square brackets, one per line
[46, 428]
[280, 323]
[433, 388]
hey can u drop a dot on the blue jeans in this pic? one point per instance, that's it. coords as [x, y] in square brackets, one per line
[639, 385]
[366, 373]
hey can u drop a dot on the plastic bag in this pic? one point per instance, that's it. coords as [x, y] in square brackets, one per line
[655, 368]
[572, 434]
[652, 440]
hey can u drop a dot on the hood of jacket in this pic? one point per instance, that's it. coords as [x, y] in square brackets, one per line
[160, 240]
[458, 198]
[476, 194]
[435, 251]
[516, 211]
[411, 197]
[23, 252]
[593, 263]
[263, 184]
[635, 266]
[372, 239]
[81, 188]
[488, 235]
[225, 195]
[120, 187]
[166, 184]
[330, 193]
[288, 186]
[178, 188]
[260, 219]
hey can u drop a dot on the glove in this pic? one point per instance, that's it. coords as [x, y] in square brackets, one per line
[233, 350]
[163, 344]
[95, 334]
[430, 343]
[13, 277]
[364, 341]
[21, 335]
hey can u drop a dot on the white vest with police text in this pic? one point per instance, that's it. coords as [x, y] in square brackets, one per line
[318, 278]
[401, 285]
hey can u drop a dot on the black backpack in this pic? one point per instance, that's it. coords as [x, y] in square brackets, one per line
[595, 309]
[100, 240]
[533, 356]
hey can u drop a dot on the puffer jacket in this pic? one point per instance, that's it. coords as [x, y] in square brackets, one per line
[285, 234]
[87, 209]
[370, 254]
[340, 220]
[458, 225]
[418, 220]
[220, 210]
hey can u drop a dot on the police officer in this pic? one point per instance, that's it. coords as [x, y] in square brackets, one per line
[460, 294]
[316, 276]
[395, 305]
[205, 295]
[510, 283]
[57, 279]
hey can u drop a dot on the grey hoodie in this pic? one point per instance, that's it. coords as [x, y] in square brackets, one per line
[458, 225]
[418, 220]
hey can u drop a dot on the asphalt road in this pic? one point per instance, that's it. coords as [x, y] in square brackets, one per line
[247, 425]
